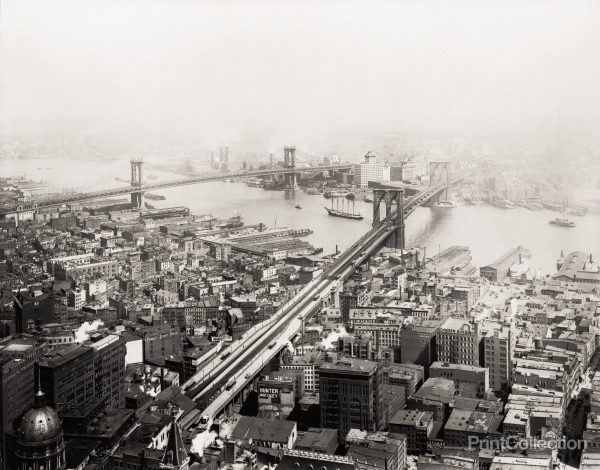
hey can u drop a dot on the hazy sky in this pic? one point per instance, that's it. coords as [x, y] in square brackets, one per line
[293, 69]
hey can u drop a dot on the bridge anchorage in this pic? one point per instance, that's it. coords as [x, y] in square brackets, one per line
[137, 198]
[390, 197]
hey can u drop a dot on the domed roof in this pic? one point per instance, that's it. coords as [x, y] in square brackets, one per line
[39, 424]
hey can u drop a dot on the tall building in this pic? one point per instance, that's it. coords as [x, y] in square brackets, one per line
[370, 170]
[75, 376]
[109, 366]
[67, 376]
[17, 387]
[418, 343]
[458, 342]
[350, 299]
[498, 347]
[351, 395]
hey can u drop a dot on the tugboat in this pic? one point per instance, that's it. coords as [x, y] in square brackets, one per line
[343, 213]
[298, 206]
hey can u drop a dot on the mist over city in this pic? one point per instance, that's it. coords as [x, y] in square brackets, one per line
[288, 235]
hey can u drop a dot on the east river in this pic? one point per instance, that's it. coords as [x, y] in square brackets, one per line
[488, 231]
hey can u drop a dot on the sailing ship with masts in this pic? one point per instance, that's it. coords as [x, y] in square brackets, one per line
[344, 210]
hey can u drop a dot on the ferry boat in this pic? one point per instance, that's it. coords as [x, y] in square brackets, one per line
[444, 204]
[562, 222]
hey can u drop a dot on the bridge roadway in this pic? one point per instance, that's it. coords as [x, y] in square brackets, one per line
[88, 196]
[238, 369]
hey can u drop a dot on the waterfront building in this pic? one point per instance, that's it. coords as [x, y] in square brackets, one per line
[499, 269]
[580, 268]
[370, 170]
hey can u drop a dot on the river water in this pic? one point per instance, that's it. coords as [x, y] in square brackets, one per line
[487, 230]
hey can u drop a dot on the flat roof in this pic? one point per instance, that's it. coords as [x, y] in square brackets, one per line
[350, 365]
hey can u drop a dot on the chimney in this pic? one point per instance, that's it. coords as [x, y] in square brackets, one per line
[230, 451]
[162, 378]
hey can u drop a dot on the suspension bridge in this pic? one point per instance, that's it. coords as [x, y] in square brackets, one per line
[133, 184]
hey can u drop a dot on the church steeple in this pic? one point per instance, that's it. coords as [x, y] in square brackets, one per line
[175, 456]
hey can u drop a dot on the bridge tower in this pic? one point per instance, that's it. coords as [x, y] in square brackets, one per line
[289, 158]
[438, 173]
[390, 197]
[137, 198]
